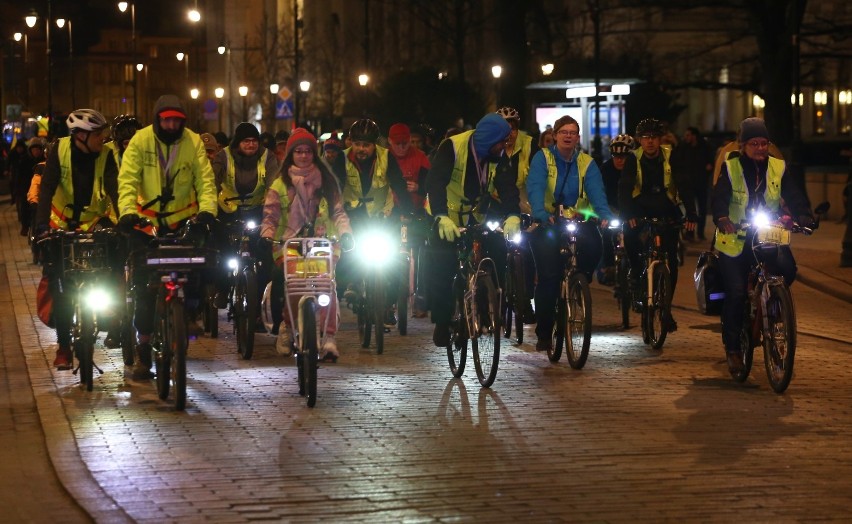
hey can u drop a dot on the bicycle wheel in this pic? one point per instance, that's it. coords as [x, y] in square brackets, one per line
[578, 321]
[210, 314]
[659, 310]
[403, 295]
[84, 347]
[554, 352]
[176, 329]
[378, 311]
[308, 353]
[779, 338]
[128, 334]
[507, 311]
[365, 324]
[520, 301]
[245, 311]
[163, 355]
[486, 342]
[457, 346]
[747, 349]
[622, 291]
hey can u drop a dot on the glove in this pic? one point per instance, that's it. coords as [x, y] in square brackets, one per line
[127, 222]
[511, 227]
[347, 243]
[447, 229]
[726, 226]
[808, 222]
[205, 218]
[41, 231]
[264, 246]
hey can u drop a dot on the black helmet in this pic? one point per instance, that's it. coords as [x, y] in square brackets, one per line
[364, 130]
[650, 127]
[124, 127]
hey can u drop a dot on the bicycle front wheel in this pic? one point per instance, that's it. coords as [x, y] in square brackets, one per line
[308, 353]
[457, 346]
[578, 321]
[554, 352]
[378, 310]
[245, 312]
[84, 347]
[177, 342]
[779, 339]
[210, 314]
[403, 296]
[623, 290]
[163, 354]
[660, 308]
[486, 342]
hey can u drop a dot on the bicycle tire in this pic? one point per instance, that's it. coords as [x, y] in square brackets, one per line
[507, 311]
[779, 339]
[660, 307]
[84, 347]
[457, 346]
[519, 295]
[210, 314]
[486, 343]
[378, 314]
[578, 321]
[403, 295]
[128, 334]
[176, 326]
[308, 353]
[554, 352]
[747, 350]
[163, 356]
[245, 312]
[623, 290]
[365, 324]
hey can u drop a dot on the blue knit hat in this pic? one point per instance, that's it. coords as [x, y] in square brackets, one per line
[753, 128]
[490, 130]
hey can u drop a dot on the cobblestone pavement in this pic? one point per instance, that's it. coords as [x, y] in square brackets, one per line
[637, 435]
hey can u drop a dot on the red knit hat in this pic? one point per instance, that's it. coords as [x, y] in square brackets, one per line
[301, 136]
[399, 133]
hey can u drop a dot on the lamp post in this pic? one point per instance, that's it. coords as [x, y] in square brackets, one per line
[363, 80]
[60, 23]
[304, 86]
[273, 90]
[220, 93]
[496, 72]
[31, 20]
[225, 49]
[122, 6]
[243, 94]
[194, 16]
[18, 37]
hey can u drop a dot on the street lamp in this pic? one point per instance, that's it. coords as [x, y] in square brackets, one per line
[363, 79]
[304, 86]
[122, 6]
[496, 72]
[60, 22]
[18, 37]
[31, 20]
[220, 93]
[547, 69]
[243, 93]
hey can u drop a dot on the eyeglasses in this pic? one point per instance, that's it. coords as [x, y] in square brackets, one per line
[303, 151]
[249, 141]
[566, 132]
[758, 144]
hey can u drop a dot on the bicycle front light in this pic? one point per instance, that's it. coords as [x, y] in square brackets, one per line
[232, 263]
[251, 224]
[614, 223]
[376, 248]
[517, 238]
[492, 225]
[572, 227]
[761, 219]
[97, 299]
[323, 300]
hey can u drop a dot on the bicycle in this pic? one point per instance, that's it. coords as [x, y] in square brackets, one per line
[375, 250]
[770, 317]
[83, 262]
[309, 277]
[478, 298]
[573, 325]
[621, 291]
[516, 297]
[172, 260]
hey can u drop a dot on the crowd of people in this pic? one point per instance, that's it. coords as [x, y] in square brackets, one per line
[155, 179]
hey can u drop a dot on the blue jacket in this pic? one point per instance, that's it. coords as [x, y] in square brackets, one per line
[566, 191]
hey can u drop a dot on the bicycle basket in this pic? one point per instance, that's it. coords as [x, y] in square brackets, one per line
[83, 252]
[309, 258]
[773, 234]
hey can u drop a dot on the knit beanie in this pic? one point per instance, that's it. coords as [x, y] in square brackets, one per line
[301, 137]
[243, 131]
[753, 128]
[333, 143]
[490, 130]
[399, 133]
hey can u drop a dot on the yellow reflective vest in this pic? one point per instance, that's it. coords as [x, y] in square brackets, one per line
[229, 189]
[671, 190]
[61, 207]
[732, 244]
[583, 161]
[380, 191]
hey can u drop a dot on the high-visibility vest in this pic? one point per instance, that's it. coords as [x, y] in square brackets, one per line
[380, 192]
[583, 162]
[229, 189]
[671, 190]
[62, 205]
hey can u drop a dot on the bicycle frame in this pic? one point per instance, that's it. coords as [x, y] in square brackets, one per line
[309, 275]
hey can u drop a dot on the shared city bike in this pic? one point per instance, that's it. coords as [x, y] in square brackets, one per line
[770, 317]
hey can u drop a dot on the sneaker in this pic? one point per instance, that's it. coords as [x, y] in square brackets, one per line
[441, 334]
[350, 295]
[274, 330]
[329, 350]
[671, 324]
[221, 300]
[64, 358]
[736, 364]
[544, 344]
[194, 329]
[142, 364]
[284, 343]
[112, 340]
[390, 318]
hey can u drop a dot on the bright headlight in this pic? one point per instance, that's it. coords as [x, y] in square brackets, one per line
[492, 224]
[761, 219]
[251, 224]
[615, 223]
[572, 227]
[517, 238]
[98, 299]
[376, 248]
[323, 300]
[232, 263]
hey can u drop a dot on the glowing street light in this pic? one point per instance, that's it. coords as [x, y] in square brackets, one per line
[194, 16]
[193, 93]
[363, 79]
[546, 69]
[496, 71]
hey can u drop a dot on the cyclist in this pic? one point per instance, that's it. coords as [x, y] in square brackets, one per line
[165, 177]
[306, 193]
[620, 148]
[368, 165]
[123, 129]
[749, 179]
[458, 188]
[244, 169]
[78, 189]
[211, 147]
[649, 188]
[563, 175]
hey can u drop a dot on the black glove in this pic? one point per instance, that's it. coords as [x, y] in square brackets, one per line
[41, 231]
[205, 218]
[808, 222]
[347, 243]
[128, 222]
[264, 246]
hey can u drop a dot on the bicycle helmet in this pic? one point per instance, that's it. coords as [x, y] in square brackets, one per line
[85, 120]
[622, 144]
[364, 130]
[124, 127]
[650, 127]
[509, 113]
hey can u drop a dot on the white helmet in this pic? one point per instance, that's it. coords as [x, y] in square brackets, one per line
[509, 113]
[86, 120]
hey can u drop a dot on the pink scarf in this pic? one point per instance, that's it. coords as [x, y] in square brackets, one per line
[306, 182]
